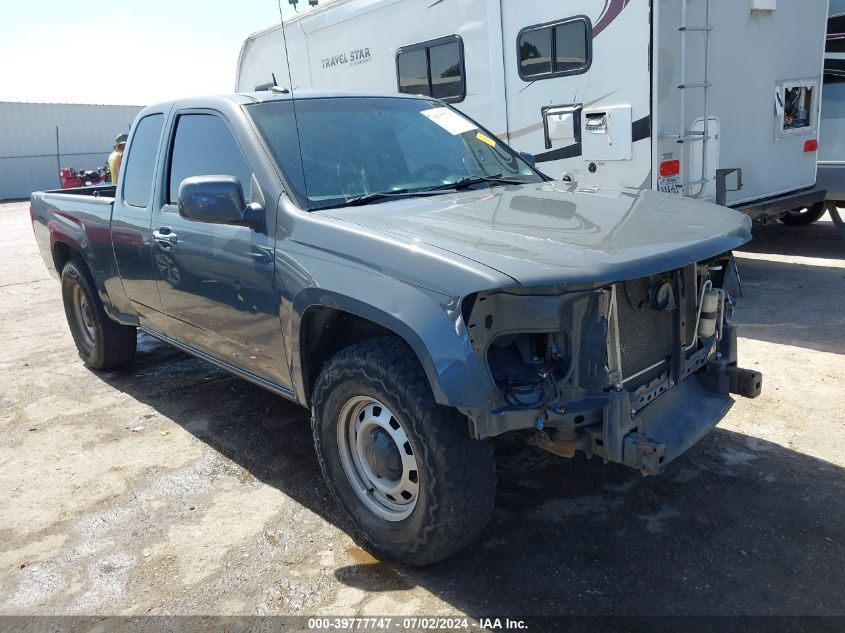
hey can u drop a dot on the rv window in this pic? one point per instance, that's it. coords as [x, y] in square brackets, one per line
[434, 69]
[413, 72]
[555, 49]
[446, 75]
[535, 52]
[570, 46]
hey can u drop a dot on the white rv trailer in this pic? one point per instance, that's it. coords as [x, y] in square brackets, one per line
[698, 97]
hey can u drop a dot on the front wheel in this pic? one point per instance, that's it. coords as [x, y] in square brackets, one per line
[803, 216]
[101, 343]
[414, 483]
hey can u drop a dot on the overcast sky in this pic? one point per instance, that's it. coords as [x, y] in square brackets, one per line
[125, 52]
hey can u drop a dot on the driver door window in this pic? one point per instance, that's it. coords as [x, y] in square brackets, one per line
[204, 146]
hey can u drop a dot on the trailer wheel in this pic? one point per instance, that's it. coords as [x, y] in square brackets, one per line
[102, 343]
[803, 216]
[415, 485]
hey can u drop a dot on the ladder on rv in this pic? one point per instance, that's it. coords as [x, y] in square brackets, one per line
[687, 136]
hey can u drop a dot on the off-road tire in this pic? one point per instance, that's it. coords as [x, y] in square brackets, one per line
[108, 344]
[804, 215]
[457, 474]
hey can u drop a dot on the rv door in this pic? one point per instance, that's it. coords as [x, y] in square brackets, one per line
[577, 83]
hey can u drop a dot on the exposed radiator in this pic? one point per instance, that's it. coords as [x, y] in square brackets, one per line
[646, 336]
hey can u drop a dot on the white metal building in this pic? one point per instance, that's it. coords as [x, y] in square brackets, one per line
[37, 139]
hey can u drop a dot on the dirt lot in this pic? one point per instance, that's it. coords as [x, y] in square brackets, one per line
[173, 488]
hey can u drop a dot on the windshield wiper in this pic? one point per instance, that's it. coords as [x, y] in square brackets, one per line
[358, 201]
[470, 181]
[463, 183]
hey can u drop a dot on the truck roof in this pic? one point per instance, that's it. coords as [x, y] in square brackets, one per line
[246, 98]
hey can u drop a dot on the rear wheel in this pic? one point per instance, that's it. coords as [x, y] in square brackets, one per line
[101, 342]
[414, 483]
[803, 216]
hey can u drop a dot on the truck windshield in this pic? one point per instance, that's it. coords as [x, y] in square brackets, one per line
[358, 150]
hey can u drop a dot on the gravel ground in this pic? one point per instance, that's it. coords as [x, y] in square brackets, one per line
[172, 488]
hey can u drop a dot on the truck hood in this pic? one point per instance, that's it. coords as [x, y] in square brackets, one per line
[557, 232]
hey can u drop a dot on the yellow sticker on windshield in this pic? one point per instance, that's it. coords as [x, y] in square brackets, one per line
[485, 139]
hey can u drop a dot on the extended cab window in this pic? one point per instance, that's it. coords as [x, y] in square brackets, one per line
[141, 161]
[555, 49]
[204, 146]
[434, 69]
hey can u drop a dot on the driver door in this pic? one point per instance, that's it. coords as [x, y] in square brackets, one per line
[216, 281]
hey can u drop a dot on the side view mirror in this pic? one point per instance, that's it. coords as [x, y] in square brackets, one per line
[218, 200]
[528, 158]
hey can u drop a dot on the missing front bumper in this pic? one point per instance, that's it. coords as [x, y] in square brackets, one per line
[647, 439]
[658, 434]
[672, 425]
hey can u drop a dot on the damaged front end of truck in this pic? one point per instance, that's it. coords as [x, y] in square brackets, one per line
[634, 372]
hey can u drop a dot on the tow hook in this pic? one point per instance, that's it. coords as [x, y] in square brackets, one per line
[644, 454]
[744, 382]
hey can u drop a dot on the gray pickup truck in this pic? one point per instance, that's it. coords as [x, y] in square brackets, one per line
[393, 266]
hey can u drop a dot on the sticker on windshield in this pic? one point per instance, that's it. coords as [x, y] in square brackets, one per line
[485, 139]
[449, 120]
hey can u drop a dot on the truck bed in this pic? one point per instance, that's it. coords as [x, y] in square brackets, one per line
[73, 216]
[97, 191]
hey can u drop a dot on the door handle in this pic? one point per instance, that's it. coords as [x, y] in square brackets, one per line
[165, 236]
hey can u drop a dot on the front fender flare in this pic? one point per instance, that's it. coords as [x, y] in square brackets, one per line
[430, 323]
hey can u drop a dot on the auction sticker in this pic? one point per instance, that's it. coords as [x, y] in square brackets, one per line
[485, 139]
[449, 120]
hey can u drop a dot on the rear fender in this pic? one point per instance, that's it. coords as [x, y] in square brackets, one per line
[68, 237]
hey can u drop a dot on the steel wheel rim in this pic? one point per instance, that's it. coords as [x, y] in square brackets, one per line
[377, 458]
[83, 316]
